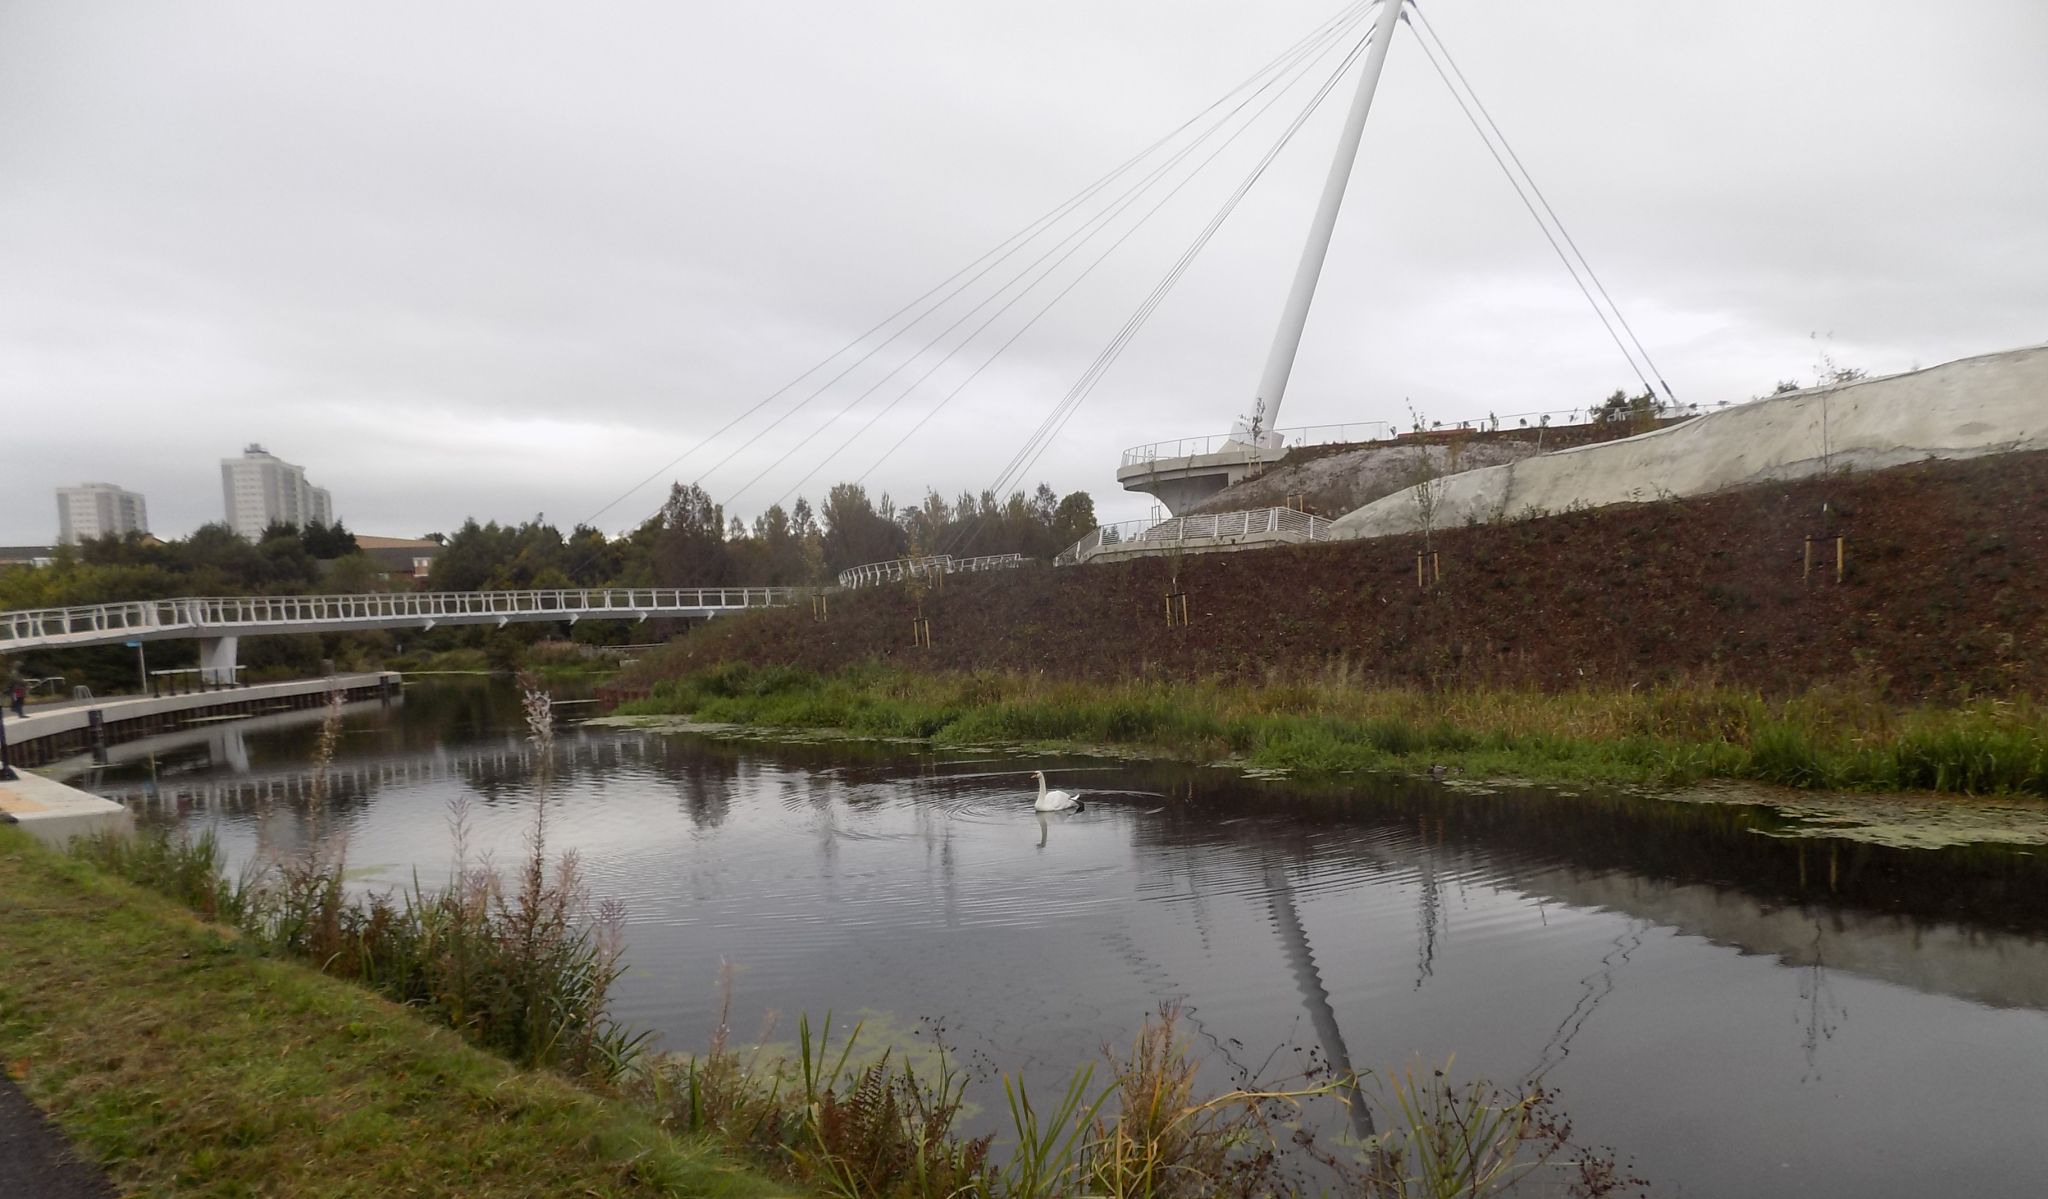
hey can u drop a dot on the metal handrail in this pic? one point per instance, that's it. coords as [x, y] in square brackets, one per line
[912, 568]
[1207, 529]
[1365, 432]
[1191, 447]
[201, 612]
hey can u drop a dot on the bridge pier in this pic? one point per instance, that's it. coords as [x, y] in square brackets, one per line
[217, 660]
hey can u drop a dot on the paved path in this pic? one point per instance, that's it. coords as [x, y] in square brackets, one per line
[49, 720]
[53, 813]
[36, 1161]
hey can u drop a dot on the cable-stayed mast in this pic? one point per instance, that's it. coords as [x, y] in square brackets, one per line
[1287, 340]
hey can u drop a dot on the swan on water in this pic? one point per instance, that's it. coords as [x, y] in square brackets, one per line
[1054, 801]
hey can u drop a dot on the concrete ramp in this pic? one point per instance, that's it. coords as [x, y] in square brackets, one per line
[54, 813]
[1993, 404]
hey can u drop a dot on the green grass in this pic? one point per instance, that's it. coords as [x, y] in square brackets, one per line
[447, 661]
[547, 667]
[192, 1065]
[1825, 739]
[574, 672]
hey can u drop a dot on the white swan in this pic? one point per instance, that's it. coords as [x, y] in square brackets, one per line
[1054, 801]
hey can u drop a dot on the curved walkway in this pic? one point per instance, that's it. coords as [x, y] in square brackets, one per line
[36, 1159]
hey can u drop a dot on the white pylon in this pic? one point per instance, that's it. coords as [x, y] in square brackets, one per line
[1280, 362]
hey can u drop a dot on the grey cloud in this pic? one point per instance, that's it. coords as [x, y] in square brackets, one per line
[506, 258]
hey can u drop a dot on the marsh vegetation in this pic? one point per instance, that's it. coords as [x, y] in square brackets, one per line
[1823, 739]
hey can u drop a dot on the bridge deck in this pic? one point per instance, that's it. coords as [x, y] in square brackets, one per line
[247, 616]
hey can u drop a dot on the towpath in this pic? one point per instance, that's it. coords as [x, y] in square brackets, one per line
[38, 1161]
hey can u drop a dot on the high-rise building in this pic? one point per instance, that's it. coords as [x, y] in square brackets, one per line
[92, 510]
[260, 490]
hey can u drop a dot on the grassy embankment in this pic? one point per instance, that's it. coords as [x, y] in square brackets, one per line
[1824, 738]
[192, 1064]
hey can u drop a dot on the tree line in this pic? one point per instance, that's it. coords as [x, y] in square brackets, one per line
[691, 542]
[214, 560]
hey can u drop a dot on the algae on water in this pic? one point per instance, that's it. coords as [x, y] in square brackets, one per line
[1897, 821]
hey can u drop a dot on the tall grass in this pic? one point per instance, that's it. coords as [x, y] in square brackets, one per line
[882, 1130]
[190, 870]
[1831, 738]
[524, 967]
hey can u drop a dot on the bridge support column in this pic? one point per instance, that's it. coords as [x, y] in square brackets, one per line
[217, 661]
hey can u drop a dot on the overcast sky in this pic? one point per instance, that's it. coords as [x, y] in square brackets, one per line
[502, 259]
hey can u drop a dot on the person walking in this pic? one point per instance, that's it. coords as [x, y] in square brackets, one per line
[20, 697]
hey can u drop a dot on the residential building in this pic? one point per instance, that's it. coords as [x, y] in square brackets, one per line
[260, 490]
[401, 557]
[27, 555]
[93, 510]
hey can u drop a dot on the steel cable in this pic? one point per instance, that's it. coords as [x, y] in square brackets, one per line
[1307, 60]
[1041, 439]
[1516, 183]
[1000, 252]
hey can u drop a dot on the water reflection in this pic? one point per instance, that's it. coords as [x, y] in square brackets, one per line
[1301, 960]
[1638, 955]
[1597, 986]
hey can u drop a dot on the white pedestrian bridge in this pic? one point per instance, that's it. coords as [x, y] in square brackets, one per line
[218, 622]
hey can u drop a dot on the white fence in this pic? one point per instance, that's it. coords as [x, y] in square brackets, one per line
[917, 568]
[104, 624]
[1199, 532]
[1367, 431]
[1190, 447]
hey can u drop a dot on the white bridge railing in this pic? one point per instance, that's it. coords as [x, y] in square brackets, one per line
[918, 568]
[1363, 432]
[229, 615]
[1192, 447]
[1207, 531]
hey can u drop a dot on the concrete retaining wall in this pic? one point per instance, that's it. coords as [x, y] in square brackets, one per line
[47, 734]
[1996, 403]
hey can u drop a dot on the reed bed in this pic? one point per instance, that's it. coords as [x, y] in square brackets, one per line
[1829, 738]
[1134, 1125]
[523, 966]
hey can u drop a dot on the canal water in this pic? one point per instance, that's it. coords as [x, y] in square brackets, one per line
[1737, 1012]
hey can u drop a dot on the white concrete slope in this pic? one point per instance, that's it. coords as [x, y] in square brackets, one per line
[1996, 403]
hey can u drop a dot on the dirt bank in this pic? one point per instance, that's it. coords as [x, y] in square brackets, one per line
[1946, 593]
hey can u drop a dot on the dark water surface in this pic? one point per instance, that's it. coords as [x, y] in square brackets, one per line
[1741, 1014]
